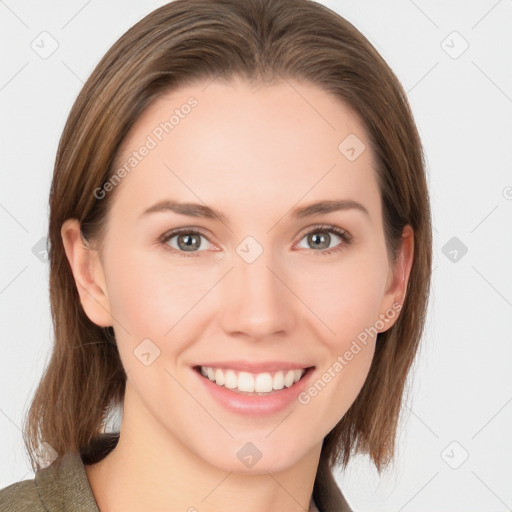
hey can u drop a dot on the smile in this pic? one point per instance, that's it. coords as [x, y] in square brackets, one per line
[252, 383]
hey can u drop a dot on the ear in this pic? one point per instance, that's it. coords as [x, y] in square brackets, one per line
[88, 273]
[398, 277]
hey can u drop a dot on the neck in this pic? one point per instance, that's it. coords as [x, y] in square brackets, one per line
[150, 469]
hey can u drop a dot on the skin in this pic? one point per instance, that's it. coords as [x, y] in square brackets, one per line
[254, 154]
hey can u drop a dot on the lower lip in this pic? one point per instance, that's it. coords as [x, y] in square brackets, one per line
[255, 405]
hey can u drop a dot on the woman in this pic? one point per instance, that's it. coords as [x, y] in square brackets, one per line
[240, 256]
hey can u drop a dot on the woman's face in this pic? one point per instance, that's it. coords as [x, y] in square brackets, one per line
[255, 284]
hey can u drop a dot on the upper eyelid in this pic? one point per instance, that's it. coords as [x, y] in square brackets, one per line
[326, 227]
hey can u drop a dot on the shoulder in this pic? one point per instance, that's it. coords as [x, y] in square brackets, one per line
[62, 485]
[21, 497]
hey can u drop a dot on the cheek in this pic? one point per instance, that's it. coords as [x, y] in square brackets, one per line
[336, 386]
[150, 292]
[346, 296]
[149, 295]
[348, 304]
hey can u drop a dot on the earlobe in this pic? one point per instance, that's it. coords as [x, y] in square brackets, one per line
[88, 274]
[395, 294]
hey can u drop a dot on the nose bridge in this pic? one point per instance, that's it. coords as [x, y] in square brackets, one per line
[255, 301]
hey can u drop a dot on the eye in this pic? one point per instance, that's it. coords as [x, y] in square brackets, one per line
[190, 242]
[185, 241]
[320, 237]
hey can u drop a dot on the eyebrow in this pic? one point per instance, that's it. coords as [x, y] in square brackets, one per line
[199, 210]
[327, 207]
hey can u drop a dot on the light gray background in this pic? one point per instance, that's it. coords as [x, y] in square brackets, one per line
[459, 401]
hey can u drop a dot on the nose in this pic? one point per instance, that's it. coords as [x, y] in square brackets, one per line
[255, 299]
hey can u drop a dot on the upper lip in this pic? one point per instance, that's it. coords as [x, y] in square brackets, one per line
[254, 367]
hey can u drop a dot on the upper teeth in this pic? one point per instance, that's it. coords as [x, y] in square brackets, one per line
[250, 382]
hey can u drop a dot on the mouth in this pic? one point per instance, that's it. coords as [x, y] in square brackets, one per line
[253, 384]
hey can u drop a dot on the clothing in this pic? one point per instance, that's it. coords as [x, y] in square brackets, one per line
[63, 486]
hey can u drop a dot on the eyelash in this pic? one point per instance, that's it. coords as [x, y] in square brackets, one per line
[344, 235]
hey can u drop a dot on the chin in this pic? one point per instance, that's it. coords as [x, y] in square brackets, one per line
[256, 457]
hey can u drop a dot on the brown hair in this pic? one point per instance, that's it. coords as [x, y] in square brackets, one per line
[262, 41]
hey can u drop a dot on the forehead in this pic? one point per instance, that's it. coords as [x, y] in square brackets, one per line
[240, 146]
